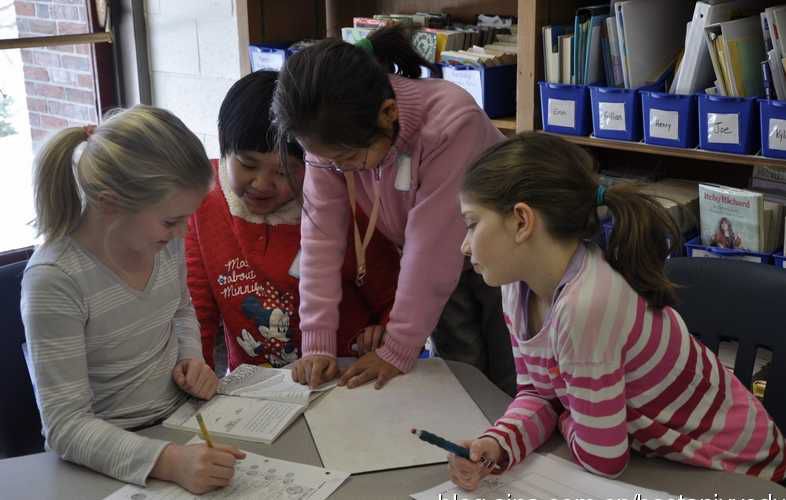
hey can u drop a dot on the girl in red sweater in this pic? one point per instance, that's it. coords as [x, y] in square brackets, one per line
[243, 246]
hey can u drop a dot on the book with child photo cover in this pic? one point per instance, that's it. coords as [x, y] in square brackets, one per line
[253, 403]
[738, 219]
[731, 218]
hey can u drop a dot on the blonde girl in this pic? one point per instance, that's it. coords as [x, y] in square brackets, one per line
[113, 341]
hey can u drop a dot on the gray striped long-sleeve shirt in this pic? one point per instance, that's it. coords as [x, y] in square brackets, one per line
[102, 354]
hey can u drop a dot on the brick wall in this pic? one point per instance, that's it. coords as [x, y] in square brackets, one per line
[59, 80]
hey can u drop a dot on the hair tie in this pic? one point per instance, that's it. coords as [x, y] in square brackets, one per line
[600, 196]
[365, 44]
[89, 129]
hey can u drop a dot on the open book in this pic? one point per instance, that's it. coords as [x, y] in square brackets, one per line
[274, 384]
[253, 404]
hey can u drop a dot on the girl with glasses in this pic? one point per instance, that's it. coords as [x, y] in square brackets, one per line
[379, 137]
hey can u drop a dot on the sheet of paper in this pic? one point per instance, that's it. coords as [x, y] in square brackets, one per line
[365, 429]
[541, 476]
[256, 477]
[237, 417]
[268, 383]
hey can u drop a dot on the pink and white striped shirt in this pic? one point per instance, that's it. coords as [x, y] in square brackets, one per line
[617, 374]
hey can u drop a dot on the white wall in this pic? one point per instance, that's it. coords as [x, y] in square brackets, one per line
[197, 49]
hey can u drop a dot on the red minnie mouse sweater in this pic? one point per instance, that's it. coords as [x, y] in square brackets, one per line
[243, 274]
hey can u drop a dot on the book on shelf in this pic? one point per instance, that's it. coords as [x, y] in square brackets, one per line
[697, 72]
[651, 34]
[738, 219]
[253, 403]
[551, 50]
[736, 49]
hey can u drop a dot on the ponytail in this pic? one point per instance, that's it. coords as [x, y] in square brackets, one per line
[557, 179]
[643, 236]
[393, 50]
[57, 202]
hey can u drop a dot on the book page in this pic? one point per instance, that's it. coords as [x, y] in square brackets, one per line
[541, 476]
[236, 417]
[269, 383]
[256, 477]
[365, 429]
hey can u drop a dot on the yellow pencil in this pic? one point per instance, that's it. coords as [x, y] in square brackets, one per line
[203, 430]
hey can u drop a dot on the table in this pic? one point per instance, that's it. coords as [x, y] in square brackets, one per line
[44, 476]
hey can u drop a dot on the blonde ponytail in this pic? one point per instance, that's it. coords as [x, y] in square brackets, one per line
[57, 203]
[139, 155]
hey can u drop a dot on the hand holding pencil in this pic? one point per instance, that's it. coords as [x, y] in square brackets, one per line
[198, 468]
[484, 456]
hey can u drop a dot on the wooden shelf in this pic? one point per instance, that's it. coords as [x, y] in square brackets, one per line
[695, 154]
[506, 125]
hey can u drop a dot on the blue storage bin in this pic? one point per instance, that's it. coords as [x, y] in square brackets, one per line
[772, 123]
[493, 87]
[694, 248]
[616, 112]
[267, 56]
[779, 260]
[669, 119]
[565, 108]
[728, 124]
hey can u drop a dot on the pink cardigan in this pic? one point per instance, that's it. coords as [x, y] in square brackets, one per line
[441, 130]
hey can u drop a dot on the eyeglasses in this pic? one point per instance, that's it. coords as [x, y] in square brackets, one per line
[341, 166]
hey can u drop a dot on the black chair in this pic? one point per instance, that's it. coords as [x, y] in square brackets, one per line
[20, 423]
[731, 300]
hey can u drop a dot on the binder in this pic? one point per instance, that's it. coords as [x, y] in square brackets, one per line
[654, 33]
[739, 48]
[586, 44]
[697, 72]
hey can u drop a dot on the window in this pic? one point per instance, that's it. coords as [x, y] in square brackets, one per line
[50, 63]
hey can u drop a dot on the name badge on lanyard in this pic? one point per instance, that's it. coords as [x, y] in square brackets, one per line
[403, 172]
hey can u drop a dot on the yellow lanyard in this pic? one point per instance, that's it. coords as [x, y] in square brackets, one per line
[362, 244]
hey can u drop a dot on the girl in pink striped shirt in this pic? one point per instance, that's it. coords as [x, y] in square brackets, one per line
[600, 354]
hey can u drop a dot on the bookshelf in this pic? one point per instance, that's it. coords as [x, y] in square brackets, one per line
[714, 166]
[272, 21]
[694, 154]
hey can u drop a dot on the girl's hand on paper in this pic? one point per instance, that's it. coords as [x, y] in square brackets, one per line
[197, 467]
[484, 454]
[314, 370]
[368, 368]
[195, 377]
[370, 338]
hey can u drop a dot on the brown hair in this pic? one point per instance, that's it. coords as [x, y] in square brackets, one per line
[557, 179]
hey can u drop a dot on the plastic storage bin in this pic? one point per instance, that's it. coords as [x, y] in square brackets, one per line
[616, 112]
[565, 108]
[268, 56]
[694, 248]
[728, 124]
[779, 260]
[669, 119]
[772, 123]
[493, 87]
